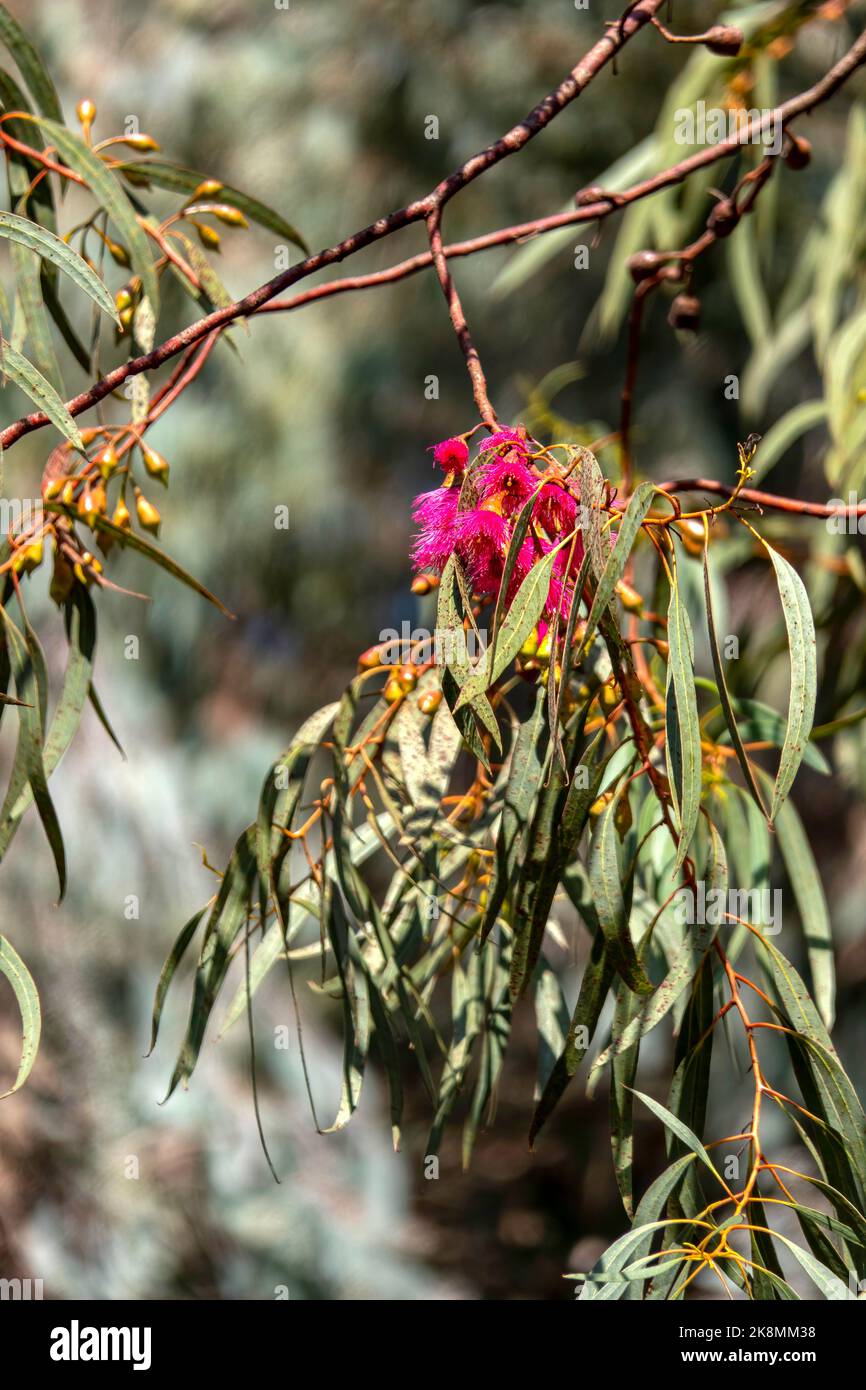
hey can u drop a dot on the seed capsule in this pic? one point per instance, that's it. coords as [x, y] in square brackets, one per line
[644, 264]
[723, 218]
[685, 313]
[799, 152]
[724, 39]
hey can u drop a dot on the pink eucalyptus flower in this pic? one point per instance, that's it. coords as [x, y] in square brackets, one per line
[515, 439]
[436, 515]
[482, 541]
[556, 509]
[507, 479]
[451, 455]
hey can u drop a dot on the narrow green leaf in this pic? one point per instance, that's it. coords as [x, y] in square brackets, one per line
[40, 391]
[49, 247]
[682, 696]
[177, 179]
[801, 643]
[639, 505]
[606, 882]
[30, 65]
[19, 977]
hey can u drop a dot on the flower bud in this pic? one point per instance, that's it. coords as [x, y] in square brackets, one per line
[622, 817]
[52, 489]
[429, 702]
[86, 113]
[207, 189]
[393, 691]
[106, 461]
[600, 805]
[67, 496]
[233, 217]
[424, 583]
[407, 677]
[28, 557]
[118, 253]
[630, 599]
[121, 516]
[370, 659]
[122, 300]
[147, 513]
[145, 143]
[209, 238]
[154, 462]
[692, 534]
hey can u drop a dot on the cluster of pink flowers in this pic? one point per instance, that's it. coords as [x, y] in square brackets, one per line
[503, 479]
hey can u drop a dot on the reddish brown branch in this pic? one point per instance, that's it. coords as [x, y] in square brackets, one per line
[762, 499]
[594, 61]
[458, 320]
[515, 139]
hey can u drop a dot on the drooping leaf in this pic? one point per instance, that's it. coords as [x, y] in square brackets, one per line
[19, 977]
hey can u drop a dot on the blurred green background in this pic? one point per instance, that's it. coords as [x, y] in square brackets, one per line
[319, 109]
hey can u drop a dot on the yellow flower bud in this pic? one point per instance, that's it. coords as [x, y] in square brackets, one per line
[86, 113]
[147, 513]
[209, 238]
[429, 702]
[393, 691]
[233, 217]
[122, 300]
[407, 677]
[118, 253]
[53, 489]
[630, 599]
[207, 189]
[121, 516]
[67, 496]
[106, 461]
[145, 143]
[154, 462]
[370, 659]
